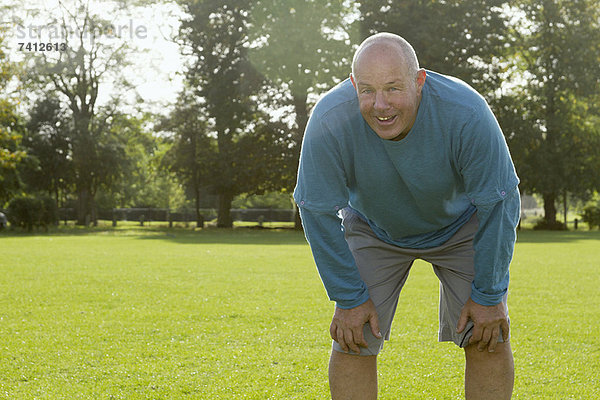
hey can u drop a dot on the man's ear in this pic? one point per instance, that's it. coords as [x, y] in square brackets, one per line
[421, 76]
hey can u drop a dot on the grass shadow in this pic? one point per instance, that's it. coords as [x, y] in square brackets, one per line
[178, 234]
[531, 236]
[237, 235]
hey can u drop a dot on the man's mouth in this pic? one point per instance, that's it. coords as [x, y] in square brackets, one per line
[385, 120]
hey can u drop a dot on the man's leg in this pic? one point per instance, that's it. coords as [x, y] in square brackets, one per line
[489, 376]
[384, 268]
[352, 376]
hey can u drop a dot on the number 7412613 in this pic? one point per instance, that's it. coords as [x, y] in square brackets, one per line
[42, 46]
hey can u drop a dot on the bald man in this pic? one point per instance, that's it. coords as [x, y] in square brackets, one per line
[398, 164]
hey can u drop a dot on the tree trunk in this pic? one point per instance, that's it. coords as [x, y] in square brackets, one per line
[84, 207]
[549, 208]
[297, 220]
[224, 219]
[199, 217]
[301, 114]
[565, 207]
[94, 209]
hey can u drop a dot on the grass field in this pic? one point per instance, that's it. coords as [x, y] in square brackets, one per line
[152, 313]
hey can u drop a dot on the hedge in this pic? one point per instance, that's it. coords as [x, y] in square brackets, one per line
[28, 212]
[591, 215]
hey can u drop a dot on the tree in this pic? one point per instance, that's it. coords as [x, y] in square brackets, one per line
[92, 58]
[551, 117]
[144, 183]
[191, 154]
[11, 152]
[260, 154]
[301, 48]
[128, 179]
[11, 130]
[245, 145]
[48, 143]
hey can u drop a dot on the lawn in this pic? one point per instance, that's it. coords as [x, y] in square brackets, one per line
[153, 313]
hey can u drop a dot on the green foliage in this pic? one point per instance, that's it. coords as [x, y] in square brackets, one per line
[591, 215]
[225, 80]
[28, 212]
[317, 50]
[141, 181]
[6, 68]
[191, 151]
[11, 131]
[48, 142]
[315, 55]
[234, 147]
[76, 76]
[466, 39]
[10, 136]
[11, 151]
[550, 117]
[275, 200]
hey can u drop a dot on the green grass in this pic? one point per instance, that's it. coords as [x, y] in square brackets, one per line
[153, 313]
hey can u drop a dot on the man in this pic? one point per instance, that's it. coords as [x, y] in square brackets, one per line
[417, 167]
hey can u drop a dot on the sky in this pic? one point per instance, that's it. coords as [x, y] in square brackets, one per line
[155, 60]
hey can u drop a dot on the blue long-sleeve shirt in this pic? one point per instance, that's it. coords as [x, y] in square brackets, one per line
[414, 193]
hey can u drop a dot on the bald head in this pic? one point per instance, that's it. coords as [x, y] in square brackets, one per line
[388, 83]
[387, 42]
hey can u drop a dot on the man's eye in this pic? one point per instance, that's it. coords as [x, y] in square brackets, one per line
[366, 91]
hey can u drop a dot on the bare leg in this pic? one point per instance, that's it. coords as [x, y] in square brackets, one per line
[489, 376]
[352, 376]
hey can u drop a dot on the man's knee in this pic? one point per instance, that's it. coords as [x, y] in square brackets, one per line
[351, 366]
[489, 375]
[474, 356]
[352, 376]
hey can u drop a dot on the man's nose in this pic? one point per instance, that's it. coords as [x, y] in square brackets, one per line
[381, 102]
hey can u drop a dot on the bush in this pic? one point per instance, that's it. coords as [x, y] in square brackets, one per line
[49, 213]
[591, 216]
[28, 212]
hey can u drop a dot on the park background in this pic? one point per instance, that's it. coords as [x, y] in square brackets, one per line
[187, 118]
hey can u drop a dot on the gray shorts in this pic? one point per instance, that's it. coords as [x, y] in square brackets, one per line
[384, 268]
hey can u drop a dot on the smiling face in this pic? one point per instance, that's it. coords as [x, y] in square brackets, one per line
[389, 90]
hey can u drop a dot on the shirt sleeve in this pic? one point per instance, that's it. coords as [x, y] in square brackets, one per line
[321, 184]
[321, 192]
[491, 184]
[334, 260]
[494, 245]
[483, 159]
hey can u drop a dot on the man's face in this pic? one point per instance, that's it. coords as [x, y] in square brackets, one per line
[388, 97]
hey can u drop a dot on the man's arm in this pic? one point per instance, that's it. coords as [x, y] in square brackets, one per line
[494, 246]
[333, 258]
[341, 279]
[491, 183]
[320, 193]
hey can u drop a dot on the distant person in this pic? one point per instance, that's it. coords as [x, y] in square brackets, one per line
[415, 164]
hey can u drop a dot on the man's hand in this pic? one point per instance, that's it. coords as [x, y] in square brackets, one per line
[347, 326]
[487, 322]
